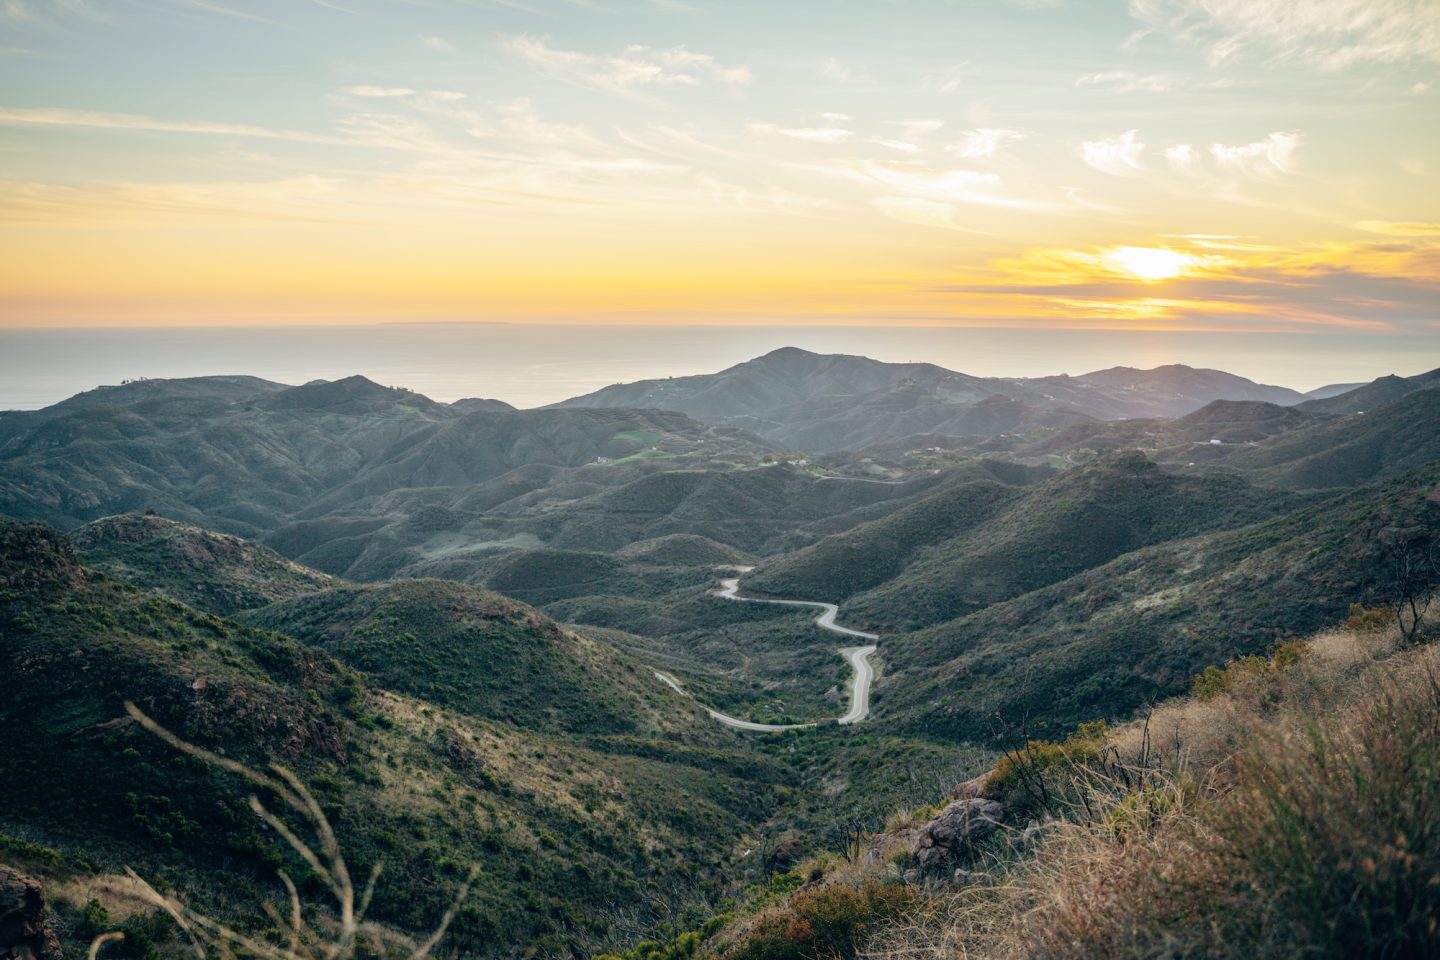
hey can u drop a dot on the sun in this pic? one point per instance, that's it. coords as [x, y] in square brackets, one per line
[1148, 263]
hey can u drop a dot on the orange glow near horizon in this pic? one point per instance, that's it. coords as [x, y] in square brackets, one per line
[483, 171]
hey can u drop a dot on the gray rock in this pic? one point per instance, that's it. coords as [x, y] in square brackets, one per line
[975, 788]
[954, 830]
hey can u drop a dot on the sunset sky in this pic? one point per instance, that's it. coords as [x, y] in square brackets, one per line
[1157, 164]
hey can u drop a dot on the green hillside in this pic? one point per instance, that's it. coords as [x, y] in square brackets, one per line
[209, 571]
[827, 402]
[1103, 642]
[477, 653]
[565, 832]
[977, 544]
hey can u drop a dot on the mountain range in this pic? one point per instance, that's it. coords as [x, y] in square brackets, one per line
[454, 619]
[820, 403]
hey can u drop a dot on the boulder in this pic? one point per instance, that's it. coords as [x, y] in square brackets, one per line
[24, 934]
[975, 789]
[953, 831]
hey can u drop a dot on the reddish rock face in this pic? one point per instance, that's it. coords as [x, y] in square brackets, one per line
[24, 934]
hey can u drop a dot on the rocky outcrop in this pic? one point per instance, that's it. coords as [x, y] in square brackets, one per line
[37, 558]
[24, 934]
[976, 788]
[954, 831]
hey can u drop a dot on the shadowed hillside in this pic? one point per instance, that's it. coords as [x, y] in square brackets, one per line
[477, 653]
[974, 545]
[823, 403]
[209, 571]
[1101, 643]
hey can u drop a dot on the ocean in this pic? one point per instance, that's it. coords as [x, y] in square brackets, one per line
[531, 365]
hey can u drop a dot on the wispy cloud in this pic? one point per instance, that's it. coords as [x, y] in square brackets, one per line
[209, 6]
[983, 143]
[1194, 283]
[808, 134]
[368, 91]
[902, 146]
[437, 43]
[1330, 34]
[1183, 158]
[1411, 228]
[837, 71]
[1265, 158]
[913, 130]
[626, 72]
[912, 134]
[921, 212]
[58, 117]
[950, 79]
[1126, 81]
[914, 180]
[1117, 156]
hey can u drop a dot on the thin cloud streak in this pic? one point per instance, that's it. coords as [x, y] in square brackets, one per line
[1328, 34]
[635, 68]
[60, 117]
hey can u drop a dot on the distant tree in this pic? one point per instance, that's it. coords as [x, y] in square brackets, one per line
[1409, 572]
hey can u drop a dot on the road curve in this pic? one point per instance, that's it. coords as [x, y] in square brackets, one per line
[858, 657]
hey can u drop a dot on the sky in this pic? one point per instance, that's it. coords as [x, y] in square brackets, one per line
[1192, 165]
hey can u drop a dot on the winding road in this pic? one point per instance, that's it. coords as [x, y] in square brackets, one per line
[858, 657]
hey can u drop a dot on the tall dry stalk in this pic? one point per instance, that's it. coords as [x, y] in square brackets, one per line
[300, 939]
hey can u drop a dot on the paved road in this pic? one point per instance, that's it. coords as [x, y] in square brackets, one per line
[858, 657]
[866, 480]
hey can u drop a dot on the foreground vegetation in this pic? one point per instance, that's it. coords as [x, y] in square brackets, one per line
[1289, 807]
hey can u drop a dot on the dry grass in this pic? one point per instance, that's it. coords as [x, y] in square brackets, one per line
[1296, 814]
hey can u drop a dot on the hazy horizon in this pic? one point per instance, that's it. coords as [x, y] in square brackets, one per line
[531, 365]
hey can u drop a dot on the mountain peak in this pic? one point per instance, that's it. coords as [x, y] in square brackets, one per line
[789, 358]
[352, 394]
[780, 353]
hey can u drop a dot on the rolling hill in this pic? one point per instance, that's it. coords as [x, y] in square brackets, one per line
[569, 831]
[477, 653]
[213, 572]
[822, 403]
[970, 546]
[1103, 642]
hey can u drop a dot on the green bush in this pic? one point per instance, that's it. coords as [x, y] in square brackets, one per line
[27, 850]
[1247, 673]
[683, 947]
[1042, 774]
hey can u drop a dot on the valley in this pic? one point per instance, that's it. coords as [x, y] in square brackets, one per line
[857, 657]
[623, 651]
